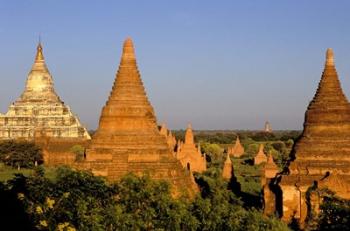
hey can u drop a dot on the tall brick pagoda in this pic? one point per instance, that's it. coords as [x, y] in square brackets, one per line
[128, 139]
[320, 158]
[39, 113]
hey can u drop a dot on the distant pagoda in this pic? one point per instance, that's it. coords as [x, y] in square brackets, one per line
[190, 156]
[128, 139]
[227, 171]
[260, 156]
[268, 127]
[237, 150]
[320, 158]
[39, 112]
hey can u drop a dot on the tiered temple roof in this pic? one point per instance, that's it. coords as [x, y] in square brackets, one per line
[128, 139]
[39, 112]
[321, 155]
[190, 156]
[324, 146]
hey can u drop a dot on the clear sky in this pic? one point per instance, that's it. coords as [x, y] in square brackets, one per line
[218, 64]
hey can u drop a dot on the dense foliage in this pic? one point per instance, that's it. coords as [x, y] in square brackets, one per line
[20, 154]
[77, 200]
[228, 137]
[80, 201]
[333, 214]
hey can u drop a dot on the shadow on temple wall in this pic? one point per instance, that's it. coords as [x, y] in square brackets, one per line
[276, 189]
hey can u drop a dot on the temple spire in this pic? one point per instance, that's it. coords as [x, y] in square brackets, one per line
[128, 56]
[39, 61]
[329, 57]
[189, 138]
[329, 93]
[39, 53]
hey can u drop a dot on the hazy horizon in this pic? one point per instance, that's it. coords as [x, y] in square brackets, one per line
[221, 66]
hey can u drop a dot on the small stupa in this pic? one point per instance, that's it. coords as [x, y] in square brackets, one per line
[190, 156]
[270, 168]
[260, 156]
[227, 171]
[237, 150]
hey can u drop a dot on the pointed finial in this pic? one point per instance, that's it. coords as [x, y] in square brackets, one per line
[329, 57]
[39, 52]
[189, 138]
[128, 49]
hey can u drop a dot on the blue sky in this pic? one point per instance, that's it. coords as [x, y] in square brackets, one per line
[218, 64]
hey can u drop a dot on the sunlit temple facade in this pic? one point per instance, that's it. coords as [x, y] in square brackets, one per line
[39, 112]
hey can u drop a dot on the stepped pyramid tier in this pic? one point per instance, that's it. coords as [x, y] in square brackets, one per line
[39, 112]
[237, 150]
[321, 155]
[260, 156]
[227, 171]
[128, 139]
[190, 156]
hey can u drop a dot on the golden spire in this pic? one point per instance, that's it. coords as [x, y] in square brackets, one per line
[39, 54]
[39, 62]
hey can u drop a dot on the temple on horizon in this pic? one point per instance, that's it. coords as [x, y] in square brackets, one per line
[39, 113]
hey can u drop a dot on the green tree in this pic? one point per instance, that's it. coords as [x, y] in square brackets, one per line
[20, 154]
[218, 208]
[334, 213]
[76, 199]
[145, 204]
